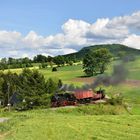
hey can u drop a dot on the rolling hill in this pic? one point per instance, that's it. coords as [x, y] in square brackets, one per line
[113, 48]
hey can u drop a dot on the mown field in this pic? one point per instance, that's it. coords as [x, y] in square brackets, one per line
[94, 122]
[71, 124]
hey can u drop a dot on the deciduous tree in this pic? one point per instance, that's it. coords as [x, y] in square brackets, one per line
[96, 61]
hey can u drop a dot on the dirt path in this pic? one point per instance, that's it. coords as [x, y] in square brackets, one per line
[86, 80]
[132, 83]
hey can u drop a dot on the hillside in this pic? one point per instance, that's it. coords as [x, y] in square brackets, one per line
[113, 48]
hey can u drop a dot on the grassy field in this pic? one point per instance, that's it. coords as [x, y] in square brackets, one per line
[134, 69]
[68, 73]
[68, 124]
[92, 122]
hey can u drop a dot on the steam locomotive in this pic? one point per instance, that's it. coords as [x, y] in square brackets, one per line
[77, 97]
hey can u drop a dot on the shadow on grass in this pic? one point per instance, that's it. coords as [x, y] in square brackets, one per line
[86, 76]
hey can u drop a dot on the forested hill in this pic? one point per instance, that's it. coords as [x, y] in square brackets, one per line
[115, 49]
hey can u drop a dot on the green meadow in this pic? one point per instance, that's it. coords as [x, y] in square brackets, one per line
[81, 123]
[68, 73]
[88, 122]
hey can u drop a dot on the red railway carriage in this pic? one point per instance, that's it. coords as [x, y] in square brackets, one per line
[78, 97]
[87, 96]
[84, 96]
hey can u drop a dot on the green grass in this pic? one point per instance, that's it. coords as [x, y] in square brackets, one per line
[18, 70]
[80, 123]
[55, 125]
[66, 73]
[134, 69]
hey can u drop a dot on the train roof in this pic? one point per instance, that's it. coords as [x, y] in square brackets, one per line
[81, 94]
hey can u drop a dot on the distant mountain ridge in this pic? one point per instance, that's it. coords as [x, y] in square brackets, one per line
[113, 48]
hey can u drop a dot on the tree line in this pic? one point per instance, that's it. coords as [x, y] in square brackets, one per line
[59, 60]
[94, 61]
[10, 63]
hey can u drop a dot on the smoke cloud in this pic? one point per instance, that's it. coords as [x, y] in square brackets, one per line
[119, 75]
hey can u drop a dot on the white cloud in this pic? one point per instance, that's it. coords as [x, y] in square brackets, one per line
[9, 38]
[133, 41]
[102, 29]
[75, 27]
[132, 21]
[33, 40]
[75, 35]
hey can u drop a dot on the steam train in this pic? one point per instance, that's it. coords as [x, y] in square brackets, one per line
[77, 97]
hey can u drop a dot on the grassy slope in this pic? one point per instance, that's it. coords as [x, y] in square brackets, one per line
[55, 125]
[113, 48]
[45, 124]
[66, 73]
[134, 69]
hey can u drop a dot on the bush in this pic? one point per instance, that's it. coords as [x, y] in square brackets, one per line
[42, 102]
[70, 63]
[44, 65]
[53, 85]
[116, 100]
[54, 69]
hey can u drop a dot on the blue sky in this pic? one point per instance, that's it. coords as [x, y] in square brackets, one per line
[35, 20]
[46, 16]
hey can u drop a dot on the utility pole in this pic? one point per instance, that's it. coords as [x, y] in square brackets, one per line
[8, 93]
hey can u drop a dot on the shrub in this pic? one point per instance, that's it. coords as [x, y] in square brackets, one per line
[54, 69]
[42, 102]
[70, 63]
[44, 65]
[53, 85]
[116, 100]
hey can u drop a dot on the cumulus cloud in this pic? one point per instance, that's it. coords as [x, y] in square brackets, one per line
[132, 40]
[131, 21]
[75, 35]
[33, 40]
[75, 27]
[102, 29]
